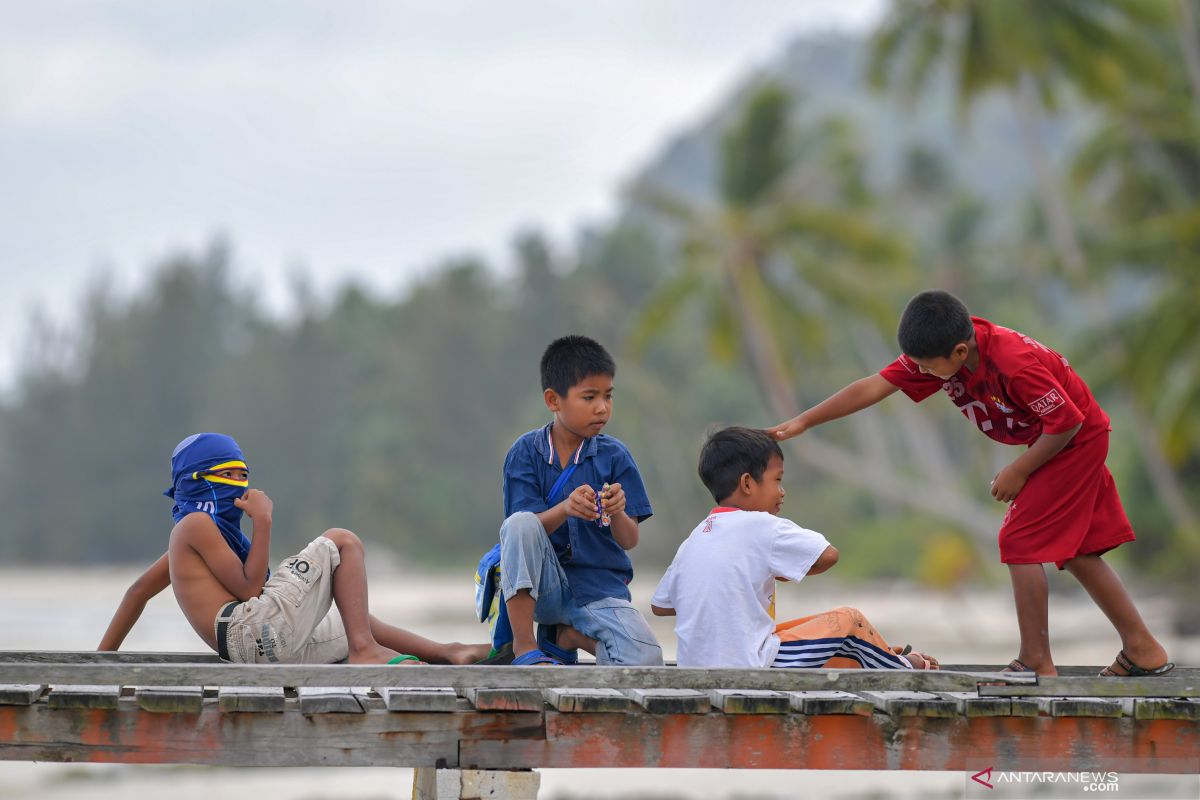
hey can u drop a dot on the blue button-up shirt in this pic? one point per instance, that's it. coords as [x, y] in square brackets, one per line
[596, 566]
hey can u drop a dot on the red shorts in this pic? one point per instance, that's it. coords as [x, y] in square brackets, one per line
[1069, 507]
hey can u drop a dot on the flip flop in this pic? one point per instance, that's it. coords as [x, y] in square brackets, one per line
[547, 640]
[503, 655]
[1017, 666]
[535, 658]
[1132, 670]
[400, 659]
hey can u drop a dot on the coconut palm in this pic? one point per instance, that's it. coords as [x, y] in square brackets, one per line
[788, 242]
[1034, 50]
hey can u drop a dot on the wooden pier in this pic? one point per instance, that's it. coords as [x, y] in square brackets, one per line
[157, 708]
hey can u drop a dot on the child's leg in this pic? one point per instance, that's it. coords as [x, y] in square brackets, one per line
[840, 638]
[1031, 593]
[350, 595]
[1106, 589]
[531, 579]
[426, 649]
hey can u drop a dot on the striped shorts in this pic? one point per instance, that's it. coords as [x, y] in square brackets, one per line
[838, 639]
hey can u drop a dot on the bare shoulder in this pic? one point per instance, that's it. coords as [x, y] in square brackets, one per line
[192, 529]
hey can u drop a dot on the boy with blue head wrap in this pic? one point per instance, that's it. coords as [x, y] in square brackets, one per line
[241, 610]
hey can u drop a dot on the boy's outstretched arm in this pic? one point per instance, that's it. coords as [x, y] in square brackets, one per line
[147, 585]
[859, 395]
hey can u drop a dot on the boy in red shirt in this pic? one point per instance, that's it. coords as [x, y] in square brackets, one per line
[1063, 504]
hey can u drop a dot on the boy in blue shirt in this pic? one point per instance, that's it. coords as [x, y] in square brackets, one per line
[560, 564]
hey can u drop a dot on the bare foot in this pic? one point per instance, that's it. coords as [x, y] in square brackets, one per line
[459, 653]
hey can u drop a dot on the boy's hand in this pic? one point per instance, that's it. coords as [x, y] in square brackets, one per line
[787, 430]
[613, 499]
[1008, 483]
[581, 503]
[255, 503]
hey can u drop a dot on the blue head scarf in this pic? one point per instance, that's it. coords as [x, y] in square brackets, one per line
[195, 489]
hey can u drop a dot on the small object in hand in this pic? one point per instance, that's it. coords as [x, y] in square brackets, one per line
[605, 519]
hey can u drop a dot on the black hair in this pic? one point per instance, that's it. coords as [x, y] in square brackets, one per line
[730, 453]
[933, 323]
[570, 359]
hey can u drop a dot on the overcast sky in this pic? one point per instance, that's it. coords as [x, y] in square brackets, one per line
[357, 139]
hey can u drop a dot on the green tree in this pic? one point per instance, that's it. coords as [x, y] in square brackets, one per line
[791, 242]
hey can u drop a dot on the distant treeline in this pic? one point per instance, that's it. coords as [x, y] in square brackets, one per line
[760, 265]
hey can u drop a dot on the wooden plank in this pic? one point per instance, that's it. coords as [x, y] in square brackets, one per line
[750, 701]
[1166, 686]
[84, 696]
[485, 699]
[104, 657]
[1166, 708]
[670, 701]
[1082, 706]
[588, 700]
[399, 698]
[912, 704]
[329, 700]
[831, 703]
[253, 699]
[20, 694]
[170, 699]
[458, 677]
[1070, 670]
[970, 704]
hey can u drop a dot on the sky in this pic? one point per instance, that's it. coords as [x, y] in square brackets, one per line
[358, 141]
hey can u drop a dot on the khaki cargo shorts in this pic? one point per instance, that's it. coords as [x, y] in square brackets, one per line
[291, 622]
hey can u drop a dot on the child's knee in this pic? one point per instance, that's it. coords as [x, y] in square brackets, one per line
[523, 525]
[343, 538]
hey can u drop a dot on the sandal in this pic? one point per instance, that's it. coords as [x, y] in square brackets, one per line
[1017, 666]
[535, 658]
[1132, 670]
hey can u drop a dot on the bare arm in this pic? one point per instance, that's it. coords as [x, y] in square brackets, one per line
[826, 560]
[862, 393]
[200, 534]
[659, 611]
[147, 585]
[1009, 481]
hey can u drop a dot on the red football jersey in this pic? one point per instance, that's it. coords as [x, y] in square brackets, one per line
[1020, 389]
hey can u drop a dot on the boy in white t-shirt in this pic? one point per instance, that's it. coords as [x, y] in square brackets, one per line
[721, 585]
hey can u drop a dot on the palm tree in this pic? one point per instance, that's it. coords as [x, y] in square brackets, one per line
[1034, 49]
[788, 240]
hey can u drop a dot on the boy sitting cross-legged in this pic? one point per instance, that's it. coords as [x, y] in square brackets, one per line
[573, 499]
[221, 582]
[721, 585]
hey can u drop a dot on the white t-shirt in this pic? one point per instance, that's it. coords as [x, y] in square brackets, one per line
[722, 586]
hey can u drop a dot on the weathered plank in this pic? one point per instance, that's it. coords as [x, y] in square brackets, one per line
[1082, 706]
[21, 694]
[84, 696]
[429, 676]
[400, 698]
[1165, 686]
[330, 699]
[486, 699]
[912, 704]
[749, 701]
[170, 699]
[571, 700]
[252, 699]
[831, 703]
[104, 657]
[1166, 708]
[970, 704]
[670, 701]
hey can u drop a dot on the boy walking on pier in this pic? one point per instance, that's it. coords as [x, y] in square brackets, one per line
[1063, 504]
